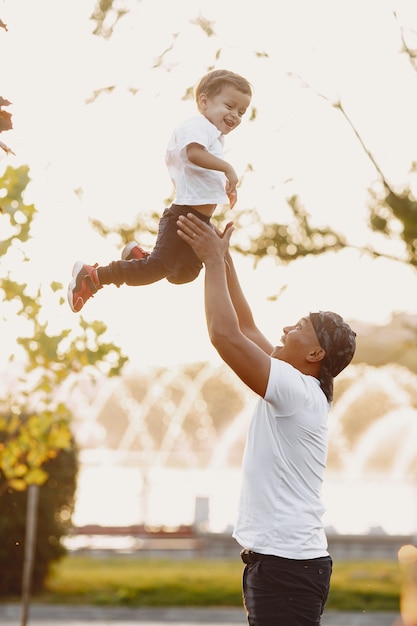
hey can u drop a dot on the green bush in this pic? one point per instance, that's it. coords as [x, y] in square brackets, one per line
[56, 504]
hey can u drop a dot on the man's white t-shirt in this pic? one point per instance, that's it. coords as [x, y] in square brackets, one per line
[280, 506]
[193, 184]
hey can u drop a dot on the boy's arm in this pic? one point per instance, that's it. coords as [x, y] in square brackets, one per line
[198, 155]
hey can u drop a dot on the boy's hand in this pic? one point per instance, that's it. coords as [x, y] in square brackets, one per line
[231, 184]
[232, 198]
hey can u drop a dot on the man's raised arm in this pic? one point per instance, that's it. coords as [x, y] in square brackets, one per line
[243, 354]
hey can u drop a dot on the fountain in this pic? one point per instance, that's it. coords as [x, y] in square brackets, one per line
[372, 466]
[174, 436]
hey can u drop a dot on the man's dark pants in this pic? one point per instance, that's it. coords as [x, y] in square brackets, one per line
[285, 592]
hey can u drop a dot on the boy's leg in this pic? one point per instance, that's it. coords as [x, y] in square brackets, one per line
[136, 272]
[88, 279]
[171, 258]
[150, 268]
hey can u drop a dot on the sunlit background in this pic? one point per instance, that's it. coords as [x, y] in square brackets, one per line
[99, 154]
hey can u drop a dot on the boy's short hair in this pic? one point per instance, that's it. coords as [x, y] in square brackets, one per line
[212, 83]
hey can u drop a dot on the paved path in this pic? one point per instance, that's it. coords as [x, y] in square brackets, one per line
[40, 615]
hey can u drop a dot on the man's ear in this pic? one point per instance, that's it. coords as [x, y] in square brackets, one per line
[316, 355]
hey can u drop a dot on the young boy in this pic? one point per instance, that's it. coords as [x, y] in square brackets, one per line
[202, 179]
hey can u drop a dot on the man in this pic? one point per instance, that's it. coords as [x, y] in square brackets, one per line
[288, 568]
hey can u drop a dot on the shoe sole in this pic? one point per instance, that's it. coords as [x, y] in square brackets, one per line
[127, 250]
[78, 266]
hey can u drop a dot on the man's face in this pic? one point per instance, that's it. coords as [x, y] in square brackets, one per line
[297, 341]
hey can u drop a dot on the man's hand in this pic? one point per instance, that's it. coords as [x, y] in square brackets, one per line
[209, 245]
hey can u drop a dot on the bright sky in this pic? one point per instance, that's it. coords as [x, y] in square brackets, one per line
[112, 150]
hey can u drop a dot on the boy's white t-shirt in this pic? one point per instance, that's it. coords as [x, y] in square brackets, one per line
[193, 184]
[280, 506]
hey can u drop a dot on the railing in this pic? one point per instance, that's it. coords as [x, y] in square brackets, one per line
[187, 542]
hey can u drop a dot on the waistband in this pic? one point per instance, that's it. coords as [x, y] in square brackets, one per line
[183, 209]
[249, 557]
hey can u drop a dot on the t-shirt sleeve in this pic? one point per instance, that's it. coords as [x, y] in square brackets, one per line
[286, 390]
[192, 131]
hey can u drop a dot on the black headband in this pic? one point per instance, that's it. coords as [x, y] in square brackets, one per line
[339, 342]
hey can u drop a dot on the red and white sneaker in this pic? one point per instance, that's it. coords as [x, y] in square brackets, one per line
[83, 285]
[133, 251]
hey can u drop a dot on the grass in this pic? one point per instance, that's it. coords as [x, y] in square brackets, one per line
[365, 586]
[145, 582]
[356, 586]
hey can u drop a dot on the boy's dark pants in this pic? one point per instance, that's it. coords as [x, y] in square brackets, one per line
[171, 258]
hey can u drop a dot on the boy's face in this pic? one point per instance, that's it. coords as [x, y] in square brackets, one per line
[226, 109]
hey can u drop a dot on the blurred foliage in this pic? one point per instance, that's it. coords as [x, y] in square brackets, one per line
[395, 216]
[287, 242]
[56, 504]
[5, 117]
[106, 15]
[50, 361]
[27, 443]
[394, 342]
[392, 213]
[36, 443]
[17, 215]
